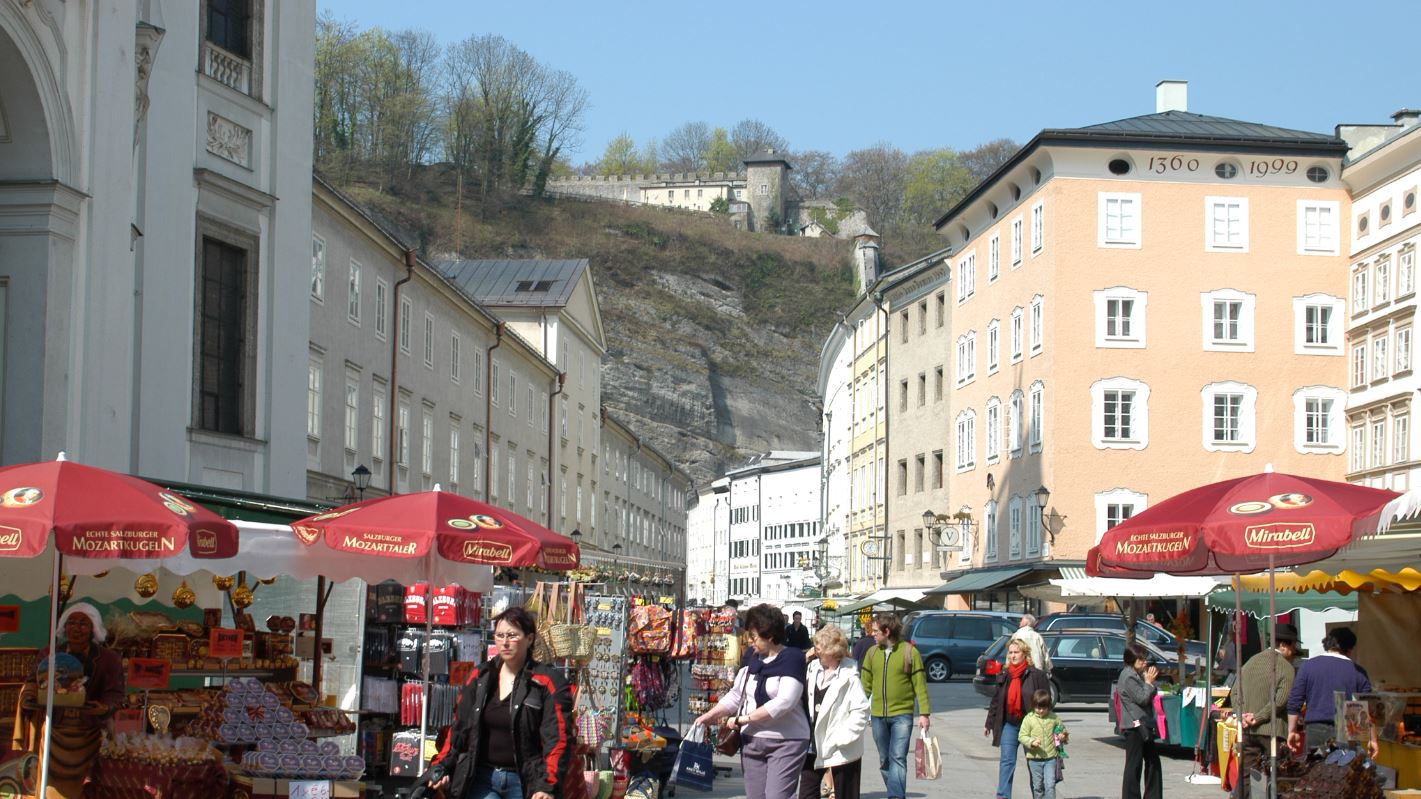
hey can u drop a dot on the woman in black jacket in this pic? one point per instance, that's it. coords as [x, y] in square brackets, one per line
[512, 736]
[1011, 702]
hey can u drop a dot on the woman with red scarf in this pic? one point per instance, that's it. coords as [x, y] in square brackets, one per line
[1011, 702]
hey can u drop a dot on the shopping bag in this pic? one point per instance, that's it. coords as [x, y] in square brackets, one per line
[695, 761]
[927, 756]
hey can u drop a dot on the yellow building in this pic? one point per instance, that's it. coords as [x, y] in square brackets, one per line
[1138, 307]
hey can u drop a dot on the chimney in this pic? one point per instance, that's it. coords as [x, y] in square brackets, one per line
[1171, 95]
[1406, 117]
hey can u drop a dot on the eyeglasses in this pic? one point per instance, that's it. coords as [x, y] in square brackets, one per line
[507, 636]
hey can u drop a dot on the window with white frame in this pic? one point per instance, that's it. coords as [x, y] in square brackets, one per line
[1014, 529]
[1401, 438]
[994, 258]
[1228, 320]
[1120, 413]
[493, 383]
[1319, 413]
[1038, 325]
[1359, 365]
[1401, 360]
[1359, 448]
[1381, 360]
[1038, 411]
[429, 340]
[478, 371]
[1381, 284]
[967, 277]
[989, 532]
[402, 433]
[1226, 224]
[382, 315]
[1017, 334]
[426, 443]
[512, 394]
[1405, 273]
[967, 358]
[1033, 532]
[318, 269]
[378, 402]
[352, 413]
[313, 397]
[1229, 420]
[1317, 227]
[1016, 242]
[1120, 318]
[994, 349]
[1038, 227]
[1119, 220]
[453, 453]
[994, 430]
[966, 440]
[1115, 506]
[1317, 324]
[352, 310]
[1016, 412]
[1360, 297]
[405, 312]
[1378, 450]
[512, 474]
[454, 357]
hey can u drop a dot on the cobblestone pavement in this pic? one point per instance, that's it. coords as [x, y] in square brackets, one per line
[1093, 769]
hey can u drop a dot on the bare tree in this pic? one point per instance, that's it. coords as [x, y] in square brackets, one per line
[750, 136]
[875, 178]
[567, 102]
[684, 149]
[981, 161]
[815, 173]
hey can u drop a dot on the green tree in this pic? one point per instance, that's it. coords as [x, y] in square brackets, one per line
[649, 160]
[720, 155]
[620, 157]
[720, 205]
[936, 180]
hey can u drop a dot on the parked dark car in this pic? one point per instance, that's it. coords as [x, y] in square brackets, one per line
[951, 640]
[1195, 652]
[1084, 663]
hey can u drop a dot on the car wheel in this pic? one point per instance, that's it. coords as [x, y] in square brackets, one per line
[939, 669]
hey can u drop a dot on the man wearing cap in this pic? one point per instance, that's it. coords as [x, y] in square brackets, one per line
[1265, 681]
[1318, 678]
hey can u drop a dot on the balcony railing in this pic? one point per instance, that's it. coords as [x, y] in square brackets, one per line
[225, 68]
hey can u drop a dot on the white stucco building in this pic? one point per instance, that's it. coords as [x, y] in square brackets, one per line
[155, 226]
[836, 425]
[774, 527]
[707, 546]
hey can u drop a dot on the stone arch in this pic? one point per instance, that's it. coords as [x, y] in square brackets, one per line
[40, 120]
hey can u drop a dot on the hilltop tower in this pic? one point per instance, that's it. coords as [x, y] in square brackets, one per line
[766, 176]
[866, 259]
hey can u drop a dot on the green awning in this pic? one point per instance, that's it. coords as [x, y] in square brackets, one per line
[855, 607]
[981, 580]
[247, 506]
[1256, 604]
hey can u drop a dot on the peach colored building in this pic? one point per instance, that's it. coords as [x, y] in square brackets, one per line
[1138, 307]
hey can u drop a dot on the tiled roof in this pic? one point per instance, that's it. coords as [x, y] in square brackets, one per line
[515, 282]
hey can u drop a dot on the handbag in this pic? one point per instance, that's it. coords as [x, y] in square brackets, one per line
[544, 606]
[695, 761]
[571, 639]
[593, 726]
[927, 756]
[728, 741]
[649, 632]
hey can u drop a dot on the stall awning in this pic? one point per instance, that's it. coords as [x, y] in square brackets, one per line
[1160, 585]
[1343, 582]
[903, 598]
[981, 580]
[1256, 604]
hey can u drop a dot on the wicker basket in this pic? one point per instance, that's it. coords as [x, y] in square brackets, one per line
[572, 641]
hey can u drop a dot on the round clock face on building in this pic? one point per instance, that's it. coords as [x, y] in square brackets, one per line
[869, 548]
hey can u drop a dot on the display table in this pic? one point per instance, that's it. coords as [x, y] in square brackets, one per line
[1404, 758]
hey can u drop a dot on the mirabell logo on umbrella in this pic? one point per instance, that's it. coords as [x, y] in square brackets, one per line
[10, 539]
[22, 497]
[487, 551]
[1280, 535]
[205, 542]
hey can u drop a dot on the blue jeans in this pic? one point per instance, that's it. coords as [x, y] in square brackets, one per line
[891, 734]
[491, 783]
[1043, 778]
[1011, 745]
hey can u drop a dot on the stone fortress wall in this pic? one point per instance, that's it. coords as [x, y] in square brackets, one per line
[628, 188]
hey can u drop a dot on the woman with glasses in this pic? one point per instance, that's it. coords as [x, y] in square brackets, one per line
[512, 736]
[766, 705]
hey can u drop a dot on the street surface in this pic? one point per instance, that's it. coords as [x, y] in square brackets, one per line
[969, 762]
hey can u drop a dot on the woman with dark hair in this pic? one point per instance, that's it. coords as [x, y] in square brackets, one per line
[1018, 683]
[766, 705]
[512, 734]
[1135, 691]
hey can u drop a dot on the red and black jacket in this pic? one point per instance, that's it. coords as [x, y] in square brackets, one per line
[543, 734]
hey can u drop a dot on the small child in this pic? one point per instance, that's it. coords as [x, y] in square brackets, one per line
[1043, 734]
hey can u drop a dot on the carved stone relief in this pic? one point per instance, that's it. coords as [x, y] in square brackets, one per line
[226, 139]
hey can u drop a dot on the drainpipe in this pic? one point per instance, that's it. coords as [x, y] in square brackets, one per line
[393, 399]
[552, 430]
[488, 408]
[887, 340]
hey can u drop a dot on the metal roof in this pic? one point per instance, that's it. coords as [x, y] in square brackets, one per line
[767, 157]
[532, 283]
[1184, 123]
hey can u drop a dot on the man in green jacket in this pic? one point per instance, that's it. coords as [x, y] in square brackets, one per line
[1263, 705]
[893, 677]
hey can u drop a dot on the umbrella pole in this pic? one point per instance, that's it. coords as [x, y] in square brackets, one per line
[49, 683]
[1273, 678]
[424, 674]
[1238, 668]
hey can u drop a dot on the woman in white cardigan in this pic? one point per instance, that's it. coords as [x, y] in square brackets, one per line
[838, 717]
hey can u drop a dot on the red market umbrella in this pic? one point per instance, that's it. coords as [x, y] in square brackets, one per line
[1239, 526]
[459, 529]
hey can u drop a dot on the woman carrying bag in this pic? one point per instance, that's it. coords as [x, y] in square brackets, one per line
[838, 716]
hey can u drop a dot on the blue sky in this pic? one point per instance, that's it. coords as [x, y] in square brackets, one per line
[839, 76]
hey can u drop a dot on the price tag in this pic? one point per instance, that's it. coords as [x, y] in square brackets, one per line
[9, 618]
[224, 643]
[461, 670]
[309, 789]
[149, 673]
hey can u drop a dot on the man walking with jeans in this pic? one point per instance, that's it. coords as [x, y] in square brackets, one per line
[893, 678]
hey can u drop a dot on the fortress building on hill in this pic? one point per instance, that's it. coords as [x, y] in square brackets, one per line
[761, 198]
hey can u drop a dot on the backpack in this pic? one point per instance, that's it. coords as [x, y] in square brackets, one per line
[650, 630]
